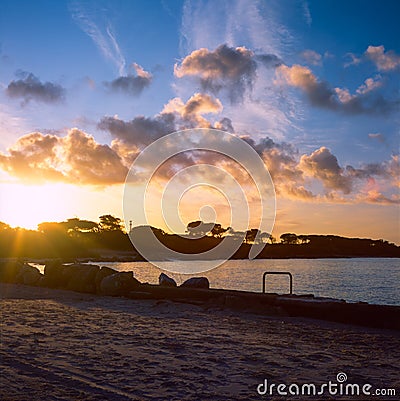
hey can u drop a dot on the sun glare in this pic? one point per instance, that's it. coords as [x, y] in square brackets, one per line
[28, 205]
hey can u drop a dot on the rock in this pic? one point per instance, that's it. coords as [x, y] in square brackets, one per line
[74, 277]
[29, 275]
[9, 271]
[166, 281]
[54, 274]
[41, 282]
[196, 282]
[119, 284]
[81, 277]
[140, 295]
[102, 273]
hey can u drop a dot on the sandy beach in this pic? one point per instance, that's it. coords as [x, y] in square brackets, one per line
[62, 345]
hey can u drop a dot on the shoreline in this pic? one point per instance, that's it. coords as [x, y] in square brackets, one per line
[117, 258]
[103, 280]
[246, 275]
[65, 345]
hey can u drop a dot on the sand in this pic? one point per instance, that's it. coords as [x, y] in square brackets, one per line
[61, 345]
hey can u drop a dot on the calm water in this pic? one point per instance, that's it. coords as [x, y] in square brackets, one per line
[363, 279]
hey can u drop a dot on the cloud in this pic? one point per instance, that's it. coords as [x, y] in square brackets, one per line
[360, 184]
[378, 176]
[250, 24]
[380, 137]
[318, 92]
[225, 124]
[374, 196]
[96, 24]
[104, 37]
[385, 61]
[291, 172]
[307, 13]
[76, 158]
[29, 87]
[191, 113]
[323, 165]
[225, 66]
[230, 68]
[295, 175]
[268, 60]
[353, 60]
[282, 161]
[393, 169]
[33, 158]
[366, 99]
[141, 131]
[298, 192]
[369, 85]
[90, 162]
[280, 158]
[208, 23]
[311, 57]
[131, 84]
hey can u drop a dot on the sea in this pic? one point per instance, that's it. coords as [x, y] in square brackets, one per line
[372, 280]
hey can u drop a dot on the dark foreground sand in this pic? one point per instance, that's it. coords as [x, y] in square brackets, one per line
[60, 345]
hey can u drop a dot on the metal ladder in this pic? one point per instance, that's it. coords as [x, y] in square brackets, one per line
[285, 273]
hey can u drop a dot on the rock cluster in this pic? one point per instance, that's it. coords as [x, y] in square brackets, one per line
[85, 278]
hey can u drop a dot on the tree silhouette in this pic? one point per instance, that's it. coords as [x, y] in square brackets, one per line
[71, 226]
[264, 237]
[289, 238]
[4, 226]
[198, 228]
[76, 238]
[304, 239]
[251, 235]
[110, 223]
[237, 235]
[52, 227]
[78, 225]
[218, 231]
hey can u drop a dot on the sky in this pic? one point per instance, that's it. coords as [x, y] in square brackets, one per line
[312, 86]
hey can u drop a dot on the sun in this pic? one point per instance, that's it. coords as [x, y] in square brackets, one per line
[28, 205]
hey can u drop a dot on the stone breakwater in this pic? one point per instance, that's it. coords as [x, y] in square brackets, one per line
[86, 278]
[93, 279]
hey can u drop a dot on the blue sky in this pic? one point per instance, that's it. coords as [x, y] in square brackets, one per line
[320, 79]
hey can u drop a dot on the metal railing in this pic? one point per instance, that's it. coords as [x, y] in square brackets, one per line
[286, 273]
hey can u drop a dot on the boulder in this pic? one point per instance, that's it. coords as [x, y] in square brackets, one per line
[9, 271]
[119, 284]
[196, 282]
[54, 276]
[81, 277]
[166, 281]
[102, 273]
[29, 275]
[74, 277]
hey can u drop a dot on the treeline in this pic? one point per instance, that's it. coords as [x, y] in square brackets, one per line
[76, 238]
[73, 238]
[328, 246]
